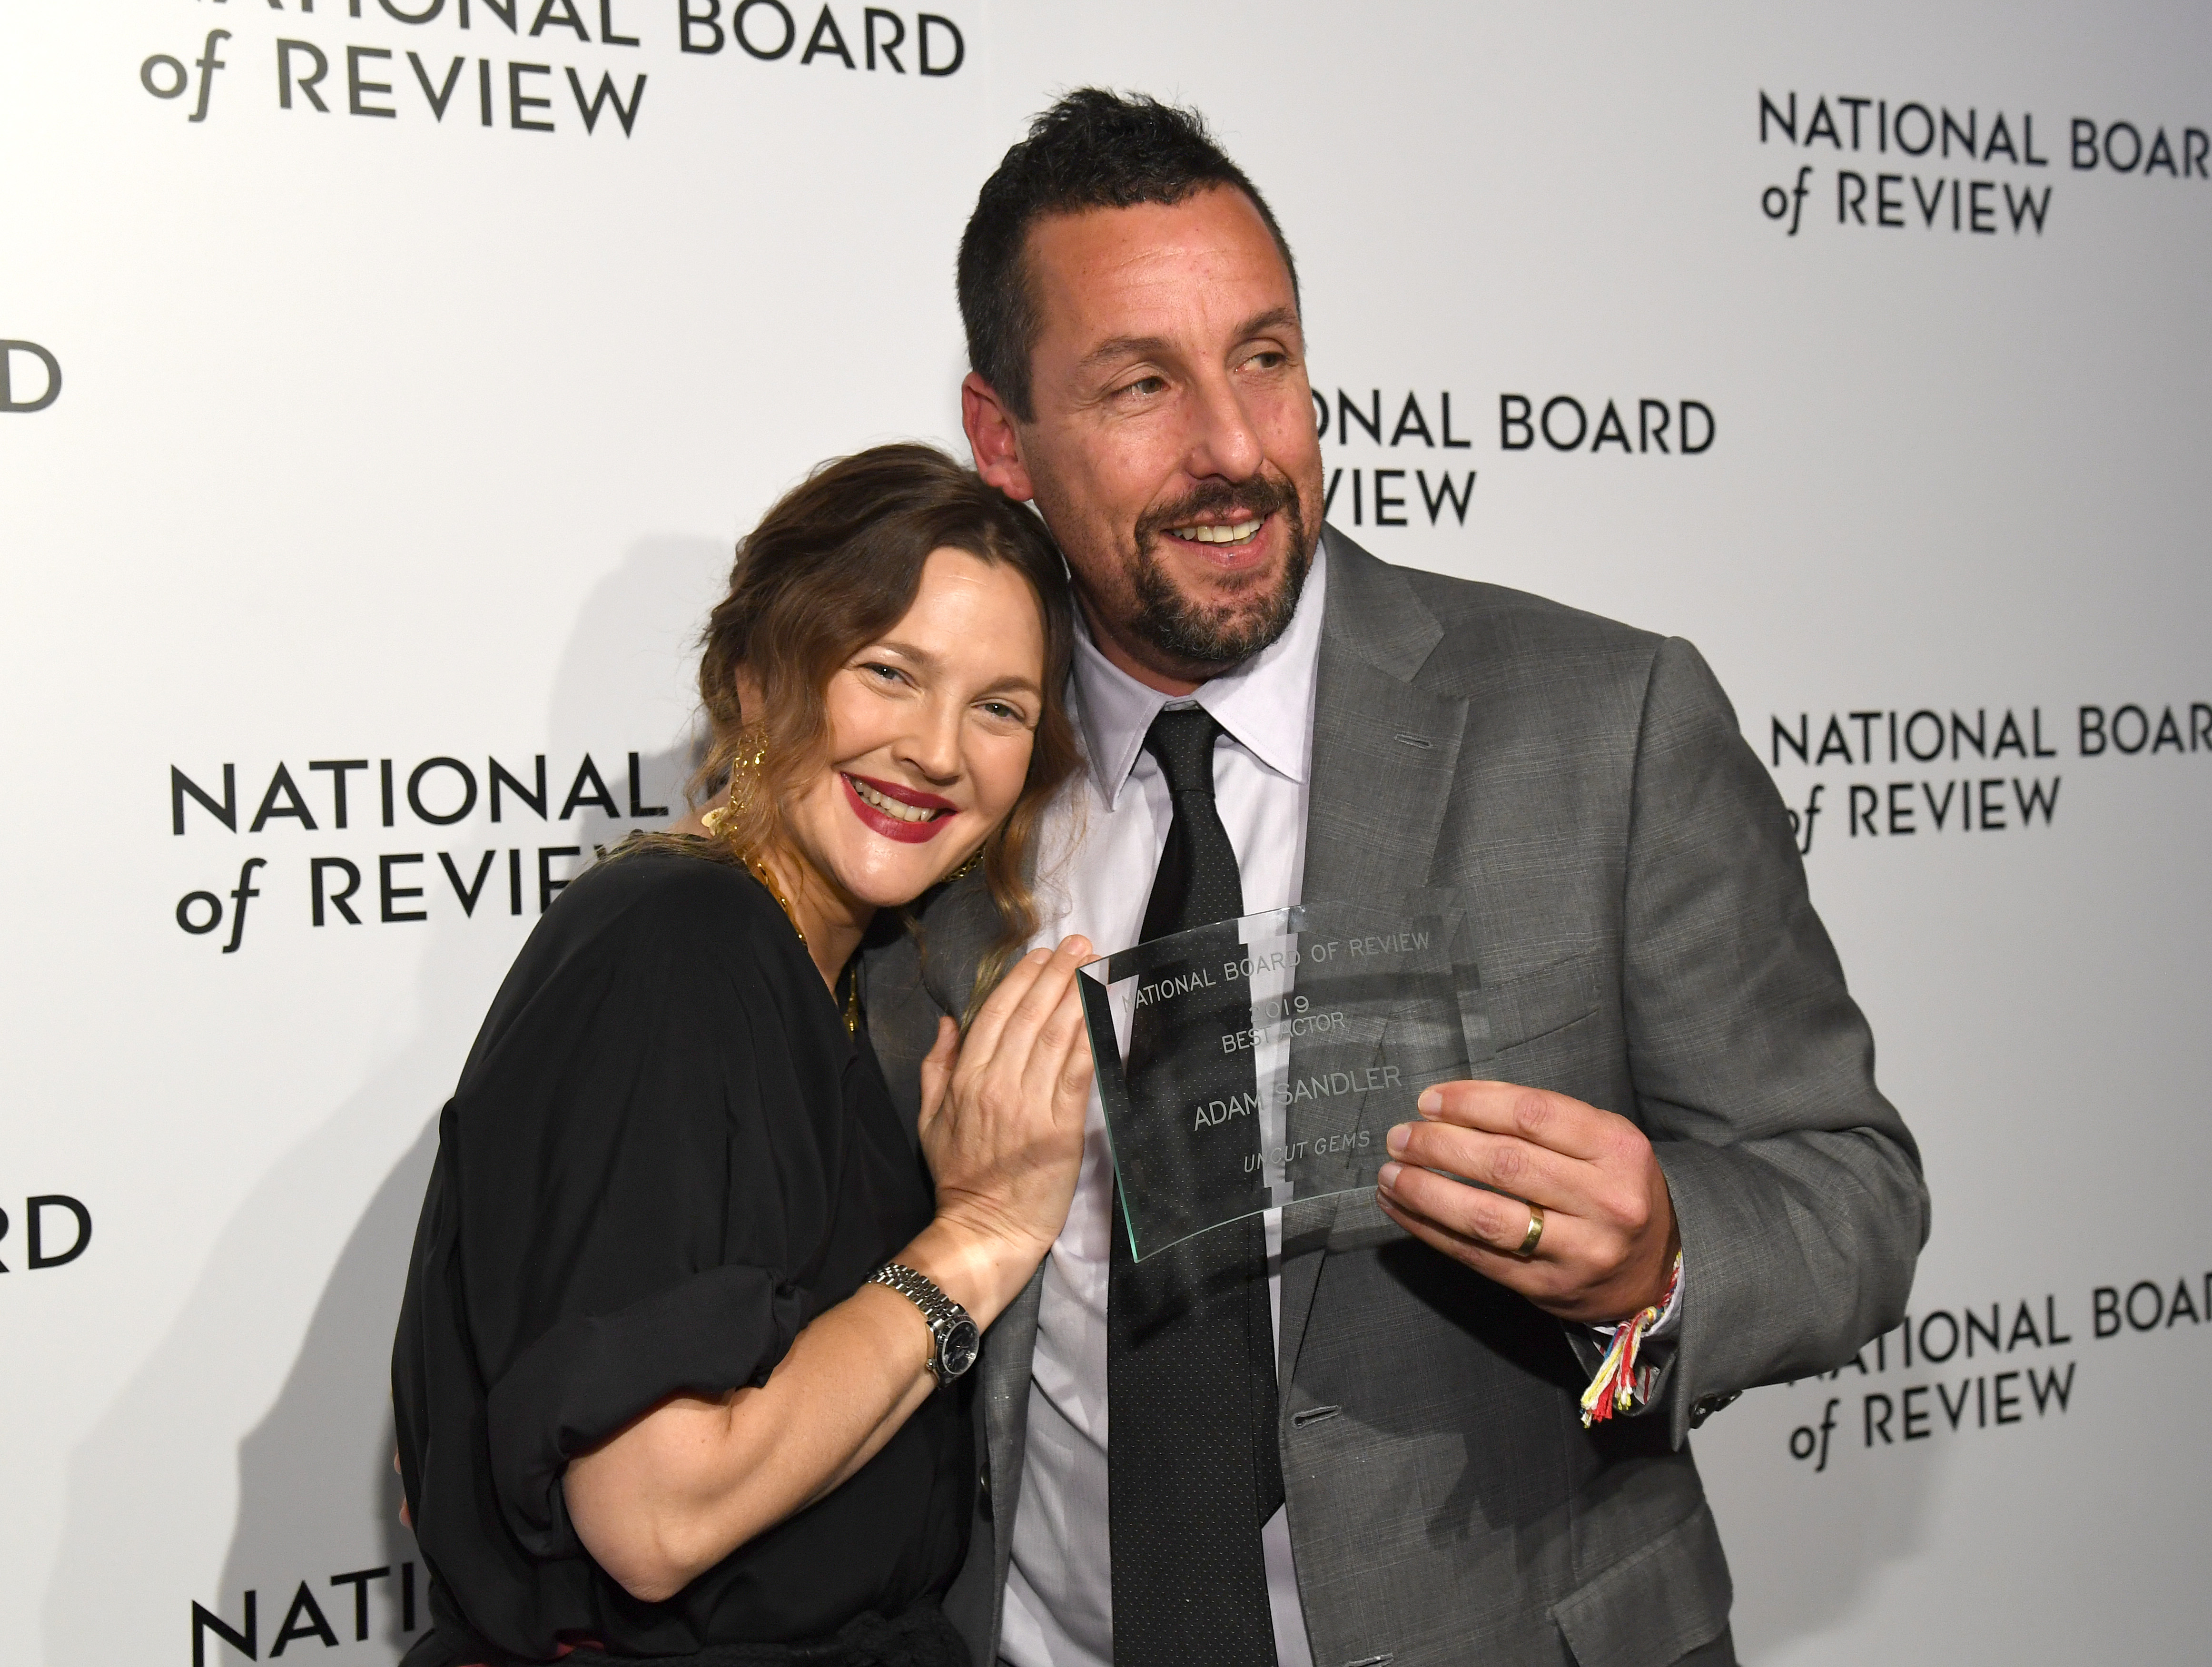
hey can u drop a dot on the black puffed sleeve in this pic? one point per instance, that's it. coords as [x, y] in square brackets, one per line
[591, 1374]
[632, 1173]
[665, 1155]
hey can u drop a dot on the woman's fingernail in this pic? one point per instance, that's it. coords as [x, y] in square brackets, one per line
[1386, 1176]
[1431, 1102]
[1396, 1140]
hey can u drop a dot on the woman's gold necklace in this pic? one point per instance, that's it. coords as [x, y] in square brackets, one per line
[761, 871]
[744, 772]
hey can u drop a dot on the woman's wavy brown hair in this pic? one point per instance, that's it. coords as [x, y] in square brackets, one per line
[833, 566]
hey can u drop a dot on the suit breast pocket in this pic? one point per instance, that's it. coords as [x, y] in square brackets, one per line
[1532, 1006]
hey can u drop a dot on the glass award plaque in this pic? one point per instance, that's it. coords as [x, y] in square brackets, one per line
[1262, 1061]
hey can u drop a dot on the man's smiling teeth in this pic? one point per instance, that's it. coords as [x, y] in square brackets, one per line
[891, 806]
[1235, 532]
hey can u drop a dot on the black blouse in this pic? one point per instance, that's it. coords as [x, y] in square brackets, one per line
[666, 1155]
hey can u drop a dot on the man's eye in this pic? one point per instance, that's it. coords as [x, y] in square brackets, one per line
[1144, 386]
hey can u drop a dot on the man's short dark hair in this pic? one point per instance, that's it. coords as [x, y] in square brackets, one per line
[1093, 150]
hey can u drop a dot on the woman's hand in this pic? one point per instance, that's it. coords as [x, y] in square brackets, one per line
[1002, 1116]
[1002, 1127]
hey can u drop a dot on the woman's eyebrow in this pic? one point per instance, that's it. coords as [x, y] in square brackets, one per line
[927, 661]
[904, 650]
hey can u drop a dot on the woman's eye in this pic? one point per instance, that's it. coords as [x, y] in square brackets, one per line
[883, 673]
[1003, 713]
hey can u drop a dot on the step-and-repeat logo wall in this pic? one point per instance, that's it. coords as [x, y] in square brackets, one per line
[383, 382]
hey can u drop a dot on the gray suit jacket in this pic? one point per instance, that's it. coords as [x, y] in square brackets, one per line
[1646, 945]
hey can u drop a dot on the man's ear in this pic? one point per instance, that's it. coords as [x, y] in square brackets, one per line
[993, 438]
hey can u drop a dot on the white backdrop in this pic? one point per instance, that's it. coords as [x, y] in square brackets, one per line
[406, 437]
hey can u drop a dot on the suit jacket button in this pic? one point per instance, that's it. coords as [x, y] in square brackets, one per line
[1705, 1406]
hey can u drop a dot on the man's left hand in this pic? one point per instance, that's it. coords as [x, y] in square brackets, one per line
[1609, 1238]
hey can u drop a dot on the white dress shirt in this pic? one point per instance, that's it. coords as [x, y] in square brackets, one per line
[1103, 847]
[1096, 878]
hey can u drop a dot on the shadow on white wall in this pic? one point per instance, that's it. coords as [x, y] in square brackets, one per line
[317, 1496]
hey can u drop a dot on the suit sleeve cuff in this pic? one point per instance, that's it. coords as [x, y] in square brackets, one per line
[1653, 1353]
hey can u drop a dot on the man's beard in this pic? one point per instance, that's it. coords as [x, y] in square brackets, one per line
[1219, 637]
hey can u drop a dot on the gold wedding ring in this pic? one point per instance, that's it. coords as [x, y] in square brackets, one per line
[1535, 1232]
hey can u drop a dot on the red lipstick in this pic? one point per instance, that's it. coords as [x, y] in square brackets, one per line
[893, 827]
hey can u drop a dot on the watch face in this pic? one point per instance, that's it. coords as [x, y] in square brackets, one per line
[957, 1351]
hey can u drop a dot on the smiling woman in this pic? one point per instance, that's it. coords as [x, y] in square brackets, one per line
[686, 1290]
[896, 600]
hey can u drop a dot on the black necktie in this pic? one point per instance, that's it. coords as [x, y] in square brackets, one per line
[1194, 1468]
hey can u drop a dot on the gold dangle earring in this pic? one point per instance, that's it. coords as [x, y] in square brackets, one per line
[745, 781]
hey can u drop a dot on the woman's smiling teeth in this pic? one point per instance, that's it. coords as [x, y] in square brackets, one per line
[1234, 532]
[891, 806]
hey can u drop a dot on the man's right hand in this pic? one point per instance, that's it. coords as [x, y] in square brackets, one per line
[1002, 1128]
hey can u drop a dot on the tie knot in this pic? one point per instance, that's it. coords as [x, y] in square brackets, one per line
[1182, 738]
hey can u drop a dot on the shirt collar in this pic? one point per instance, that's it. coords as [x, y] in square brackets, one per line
[1265, 703]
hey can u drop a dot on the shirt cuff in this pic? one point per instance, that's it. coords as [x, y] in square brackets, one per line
[1627, 1371]
[1669, 1321]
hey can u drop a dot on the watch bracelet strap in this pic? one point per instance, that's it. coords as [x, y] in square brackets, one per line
[936, 1309]
[918, 1287]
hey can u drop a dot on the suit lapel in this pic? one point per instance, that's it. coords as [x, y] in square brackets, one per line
[1385, 756]
[908, 980]
[1002, 1411]
[957, 926]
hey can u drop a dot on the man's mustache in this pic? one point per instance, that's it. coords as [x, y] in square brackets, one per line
[1248, 499]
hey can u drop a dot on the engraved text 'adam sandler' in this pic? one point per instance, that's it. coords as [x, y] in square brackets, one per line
[1321, 1085]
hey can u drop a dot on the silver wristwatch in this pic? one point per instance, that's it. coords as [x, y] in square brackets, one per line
[955, 1337]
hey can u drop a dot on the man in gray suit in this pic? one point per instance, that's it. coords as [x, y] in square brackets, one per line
[1352, 1434]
